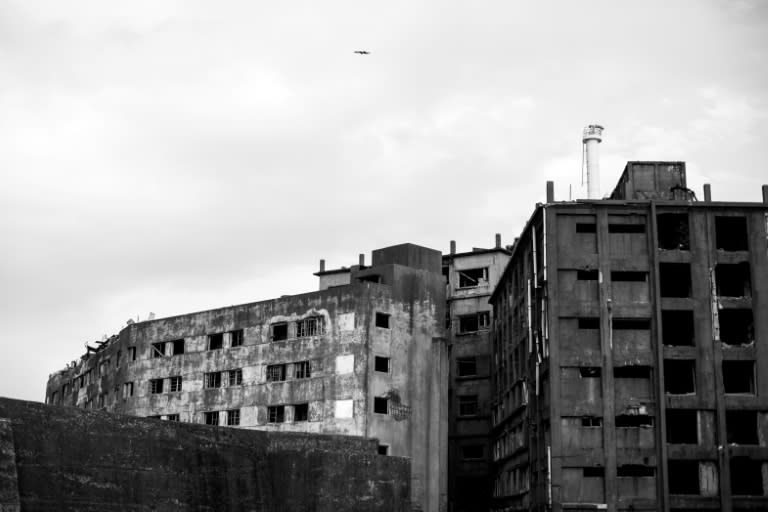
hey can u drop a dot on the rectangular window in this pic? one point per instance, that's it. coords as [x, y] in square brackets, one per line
[275, 373]
[739, 377]
[586, 228]
[673, 231]
[383, 449]
[280, 331]
[472, 452]
[591, 421]
[677, 328]
[473, 277]
[158, 349]
[381, 364]
[382, 320]
[741, 427]
[468, 405]
[215, 341]
[236, 338]
[301, 370]
[632, 372]
[127, 389]
[212, 380]
[132, 353]
[156, 386]
[175, 384]
[466, 366]
[276, 413]
[300, 412]
[679, 376]
[675, 279]
[311, 326]
[587, 275]
[590, 372]
[746, 477]
[682, 426]
[733, 280]
[629, 276]
[683, 476]
[626, 228]
[633, 421]
[589, 323]
[233, 417]
[211, 418]
[737, 326]
[731, 233]
[380, 405]
[178, 347]
[235, 377]
[631, 324]
[117, 361]
[480, 321]
[173, 417]
[593, 472]
[635, 471]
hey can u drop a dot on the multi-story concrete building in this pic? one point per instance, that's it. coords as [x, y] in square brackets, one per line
[368, 358]
[470, 279]
[630, 345]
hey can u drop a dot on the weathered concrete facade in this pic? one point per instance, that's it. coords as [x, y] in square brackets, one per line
[366, 359]
[630, 344]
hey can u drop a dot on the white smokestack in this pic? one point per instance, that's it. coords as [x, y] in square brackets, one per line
[593, 135]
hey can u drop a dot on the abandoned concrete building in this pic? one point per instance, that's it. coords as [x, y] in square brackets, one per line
[630, 352]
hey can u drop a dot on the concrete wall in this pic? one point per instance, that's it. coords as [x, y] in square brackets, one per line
[69, 459]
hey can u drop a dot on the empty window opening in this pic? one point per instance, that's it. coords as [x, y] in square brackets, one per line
[675, 279]
[473, 277]
[472, 451]
[591, 421]
[301, 370]
[127, 389]
[466, 366]
[682, 426]
[468, 405]
[633, 421]
[731, 233]
[158, 350]
[276, 413]
[156, 386]
[733, 280]
[212, 380]
[739, 377]
[587, 275]
[635, 471]
[741, 427]
[371, 278]
[746, 477]
[178, 347]
[683, 476]
[626, 228]
[677, 328]
[632, 372]
[635, 324]
[673, 231]
[175, 384]
[382, 320]
[279, 331]
[236, 338]
[381, 364]
[215, 341]
[300, 412]
[472, 323]
[383, 449]
[590, 372]
[589, 323]
[132, 353]
[595, 472]
[235, 377]
[312, 326]
[212, 418]
[275, 372]
[586, 228]
[679, 376]
[737, 326]
[380, 405]
[174, 417]
[233, 417]
[629, 276]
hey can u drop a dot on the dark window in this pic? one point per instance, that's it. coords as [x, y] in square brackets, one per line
[158, 349]
[212, 418]
[633, 421]
[629, 276]
[275, 372]
[591, 421]
[679, 376]
[593, 472]
[626, 228]
[634, 324]
[733, 280]
[587, 275]
[589, 323]
[586, 228]
[381, 364]
[370, 278]
[737, 326]
[466, 366]
[675, 279]
[213, 380]
[682, 426]
[300, 412]
[178, 347]
[279, 331]
[741, 427]
[276, 413]
[233, 417]
[117, 361]
[731, 233]
[468, 405]
[235, 377]
[380, 405]
[173, 417]
[132, 353]
[635, 471]
[590, 371]
[632, 372]
[382, 320]
[473, 277]
[236, 338]
[215, 341]
[156, 386]
[746, 477]
[127, 389]
[383, 449]
[673, 231]
[476, 322]
[739, 377]
[311, 326]
[677, 328]
[301, 370]
[175, 384]
[472, 451]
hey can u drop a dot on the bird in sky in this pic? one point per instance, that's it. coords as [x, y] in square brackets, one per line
[362, 52]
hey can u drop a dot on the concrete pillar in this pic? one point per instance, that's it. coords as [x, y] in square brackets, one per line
[550, 191]
[707, 193]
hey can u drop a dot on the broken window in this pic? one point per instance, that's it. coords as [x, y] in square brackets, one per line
[633, 420]
[370, 278]
[158, 349]
[280, 331]
[626, 228]
[275, 372]
[632, 372]
[586, 228]
[593, 472]
[211, 418]
[673, 231]
[276, 413]
[476, 322]
[677, 327]
[233, 417]
[173, 417]
[589, 323]
[382, 320]
[300, 412]
[473, 277]
[731, 233]
[468, 405]
[587, 275]
[635, 471]
[178, 347]
[175, 384]
[466, 366]
[156, 386]
[629, 276]
[301, 370]
[683, 476]
[675, 279]
[733, 280]
[739, 377]
[737, 326]
[590, 372]
[380, 405]
[212, 380]
[311, 326]
[682, 426]
[638, 324]
[215, 341]
[383, 449]
[235, 377]
[132, 353]
[236, 338]
[472, 451]
[591, 421]
[679, 376]
[127, 389]
[746, 477]
[381, 364]
[741, 427]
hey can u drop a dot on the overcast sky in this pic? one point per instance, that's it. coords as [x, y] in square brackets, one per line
[177, 156]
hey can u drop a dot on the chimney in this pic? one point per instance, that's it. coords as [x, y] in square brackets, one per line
[453, 246]
[593, 135]
[550, 191]
[707, 193]
[361, 260]
[322, 265]
[765, 194]
[498, 240]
